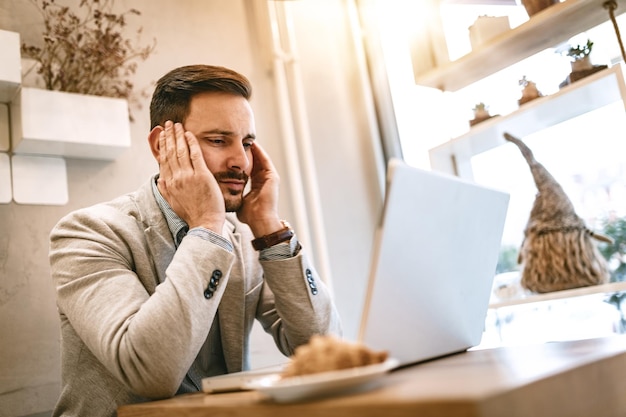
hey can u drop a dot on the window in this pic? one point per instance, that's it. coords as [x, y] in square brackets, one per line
[585, 154]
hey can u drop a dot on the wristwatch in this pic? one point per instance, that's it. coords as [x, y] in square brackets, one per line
[275, 238]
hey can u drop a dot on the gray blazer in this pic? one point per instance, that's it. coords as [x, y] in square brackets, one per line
[133, 309]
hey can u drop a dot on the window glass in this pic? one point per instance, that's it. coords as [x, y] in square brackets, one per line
[586, 155]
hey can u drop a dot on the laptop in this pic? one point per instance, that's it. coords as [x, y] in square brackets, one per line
[434, 259]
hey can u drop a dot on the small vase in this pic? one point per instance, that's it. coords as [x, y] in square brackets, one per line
[535, 6]
[480, 116]
[581, 64]
[529, 93]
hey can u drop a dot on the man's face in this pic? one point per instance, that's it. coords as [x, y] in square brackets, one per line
[224, 126]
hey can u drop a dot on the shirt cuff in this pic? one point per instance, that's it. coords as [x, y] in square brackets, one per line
[283, 250]
[212, 237]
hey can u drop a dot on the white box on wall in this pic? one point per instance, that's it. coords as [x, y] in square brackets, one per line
[5, 142]
[39, 180]
[5, 179]
[10, 65]
[56, 123]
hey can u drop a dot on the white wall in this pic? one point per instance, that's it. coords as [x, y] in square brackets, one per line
[342, 146]
[198, 31]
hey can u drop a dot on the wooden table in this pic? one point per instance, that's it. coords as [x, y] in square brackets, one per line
[578, 378]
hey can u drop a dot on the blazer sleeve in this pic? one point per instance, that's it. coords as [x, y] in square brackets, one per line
[296, 303]
[102, 268]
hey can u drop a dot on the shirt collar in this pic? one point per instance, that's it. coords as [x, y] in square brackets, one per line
[178, 227]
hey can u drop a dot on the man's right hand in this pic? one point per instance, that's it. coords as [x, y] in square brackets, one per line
[186, 182]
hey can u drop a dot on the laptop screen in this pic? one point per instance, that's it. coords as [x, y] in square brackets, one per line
[434, 259]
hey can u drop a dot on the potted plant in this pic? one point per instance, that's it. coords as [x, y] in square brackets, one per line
[84, 59]
[86, 53]
[529, 91]
[579, 54]
[535, 6]
[481, 113]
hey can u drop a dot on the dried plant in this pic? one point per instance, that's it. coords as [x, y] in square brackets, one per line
[85, 51]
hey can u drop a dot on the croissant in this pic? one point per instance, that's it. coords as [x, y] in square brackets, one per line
[329, 353]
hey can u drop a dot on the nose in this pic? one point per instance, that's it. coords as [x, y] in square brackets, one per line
[239, 158]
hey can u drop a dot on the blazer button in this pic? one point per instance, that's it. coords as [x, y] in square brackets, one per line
[309, 276]
[311, 281]
[213, 283]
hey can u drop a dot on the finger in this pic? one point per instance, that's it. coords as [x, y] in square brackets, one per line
[164, 167]
[262, 168]
[261, 159]
[170, 148]
[163, 163]
[182, 148]
[162, 149]
[195, 154]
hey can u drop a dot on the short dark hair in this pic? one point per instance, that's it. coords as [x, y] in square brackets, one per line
[173, 92]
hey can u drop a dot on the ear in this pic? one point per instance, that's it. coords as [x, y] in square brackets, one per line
[153, 140]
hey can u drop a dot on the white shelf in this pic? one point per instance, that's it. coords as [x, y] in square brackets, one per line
[10, 68]
[559, 295]
[73, 125]
[590, 93]
[55, 123]
[548, 28]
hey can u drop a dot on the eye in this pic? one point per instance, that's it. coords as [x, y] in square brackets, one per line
[216, 140]
[248, 144]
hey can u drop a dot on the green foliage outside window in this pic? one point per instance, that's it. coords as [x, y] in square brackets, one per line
[507, 260]
[615, 253]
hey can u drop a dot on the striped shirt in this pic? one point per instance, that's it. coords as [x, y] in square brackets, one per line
[210, 359]
[180, 229]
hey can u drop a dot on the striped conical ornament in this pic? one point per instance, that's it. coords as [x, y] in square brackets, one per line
[558, 252]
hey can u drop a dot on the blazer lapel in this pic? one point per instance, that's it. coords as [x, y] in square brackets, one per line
[158, 236]
[161, 250]
[231, 310]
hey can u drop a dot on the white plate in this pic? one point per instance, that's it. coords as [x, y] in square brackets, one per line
[237, 381]
[324, 383]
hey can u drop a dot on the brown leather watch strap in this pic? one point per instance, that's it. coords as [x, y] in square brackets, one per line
[275, 238]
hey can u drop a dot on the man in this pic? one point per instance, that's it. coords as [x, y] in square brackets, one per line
[159, 288]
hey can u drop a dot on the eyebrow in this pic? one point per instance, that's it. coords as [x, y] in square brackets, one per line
[226, 133]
